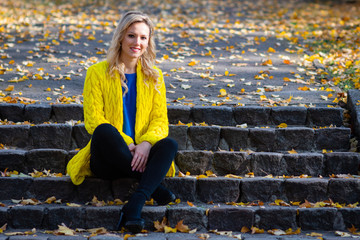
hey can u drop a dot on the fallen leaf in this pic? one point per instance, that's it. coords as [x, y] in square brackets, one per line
[255, 230]
[190, 204]
[168, 229]
[245, 229]
[181, 227]
[282, 125]
[64, 230]
[276, 232]
[9, 88]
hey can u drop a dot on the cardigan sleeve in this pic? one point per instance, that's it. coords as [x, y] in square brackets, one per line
[93, 100]
[159, 124]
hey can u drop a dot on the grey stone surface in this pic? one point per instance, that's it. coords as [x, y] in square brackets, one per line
[235, 138]
[179, 113]
[12, 160]
[66, 112]
[49, 159]
[195, 162]
[230, 218]
[342, 163]
[184, 188]
[37, 113]
[353, 97]
[15, 135]
[298, 138]
[252, 115]
[51, 136]
[344, 190]
[150, 214]
[14, 188]
[350, 216]
[311, 164]
[72, 217]
[204, 137]
[194, 217]
[236, 163]
[317, 218]
[80, 135]
[121, 188]
[26, 216]
[179, 134]
[301, 189]
[263, 189]
[269, 218]
[288, 115]
[268, 163]
[12, 112]
[336, 139]
[91, 187]
[45, 187]
[106, 217]
[3, 215]
[324, 116]
[213, 115]
[262, 139]
[218, 189]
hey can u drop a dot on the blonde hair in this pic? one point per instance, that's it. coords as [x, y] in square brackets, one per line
[147, 59]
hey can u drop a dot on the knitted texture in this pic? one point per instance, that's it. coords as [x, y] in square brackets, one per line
[103, 103]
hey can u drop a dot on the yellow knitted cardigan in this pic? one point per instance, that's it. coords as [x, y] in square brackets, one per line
[103, 103]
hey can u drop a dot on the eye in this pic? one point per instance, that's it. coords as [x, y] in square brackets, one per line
[131, 35]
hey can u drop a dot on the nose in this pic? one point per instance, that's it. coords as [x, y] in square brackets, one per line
[137, 40]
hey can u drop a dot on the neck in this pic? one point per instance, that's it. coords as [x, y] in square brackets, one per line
[130, 65]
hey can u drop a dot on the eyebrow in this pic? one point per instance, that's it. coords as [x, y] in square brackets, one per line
[138, 34]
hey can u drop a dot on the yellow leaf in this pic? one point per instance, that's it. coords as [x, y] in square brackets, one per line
[282, 125]
[245, 229]
[223, 92]
[48, 99]
[150, 203]
[352, 229]
[287, 61]
[267, 62]
[48, 90]
[314, 234]
[201, 176]
[73, 205]
[291, 232]
[190, 204]
[9, 88]
[160, 226]
[271, 50]
[256, 230]
[292, 151]
[64, 230]
[304, 88]
[226, 73]
[128, 236]
[50, 200]
[232, 176]
[11, 62]
[276, 232]
[263, 98]
[181, 227]
[286, 79]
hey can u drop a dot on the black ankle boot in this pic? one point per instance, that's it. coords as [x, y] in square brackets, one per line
[163, 196]
[130, 214]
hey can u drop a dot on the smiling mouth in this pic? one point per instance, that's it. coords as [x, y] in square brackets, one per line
[135, 49]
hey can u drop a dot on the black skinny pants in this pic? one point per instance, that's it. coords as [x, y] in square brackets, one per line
[111, 159]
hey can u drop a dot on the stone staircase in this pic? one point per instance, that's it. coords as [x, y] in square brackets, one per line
[241, 161]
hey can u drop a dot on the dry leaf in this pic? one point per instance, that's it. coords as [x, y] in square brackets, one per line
[168, 229]
[276, 232]
[64, 230]
[181, 227]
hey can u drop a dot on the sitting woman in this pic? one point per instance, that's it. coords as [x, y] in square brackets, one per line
[125, 111]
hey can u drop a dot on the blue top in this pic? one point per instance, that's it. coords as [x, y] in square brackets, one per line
[129, 106]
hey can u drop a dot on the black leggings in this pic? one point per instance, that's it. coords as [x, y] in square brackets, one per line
[111, 159]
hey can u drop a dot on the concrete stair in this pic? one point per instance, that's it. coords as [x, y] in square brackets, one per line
[253, 164]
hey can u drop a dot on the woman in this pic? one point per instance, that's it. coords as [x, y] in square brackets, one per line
[125, 111]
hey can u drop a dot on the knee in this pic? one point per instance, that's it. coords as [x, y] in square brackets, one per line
[103, 130]
[171, 144]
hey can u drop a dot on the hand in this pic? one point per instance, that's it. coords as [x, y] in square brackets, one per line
[140, 157]
[132, 148]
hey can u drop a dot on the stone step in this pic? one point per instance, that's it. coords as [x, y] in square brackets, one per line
[344, 190]
[66, 136]
[198, 162]
[225, 116]
[202, 217]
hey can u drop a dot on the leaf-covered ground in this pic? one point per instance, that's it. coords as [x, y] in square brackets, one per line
[212, 52]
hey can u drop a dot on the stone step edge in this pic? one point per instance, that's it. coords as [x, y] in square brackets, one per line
[194, 137]
[205, 217]
[220, 189]
[231, 116]
[199, 161]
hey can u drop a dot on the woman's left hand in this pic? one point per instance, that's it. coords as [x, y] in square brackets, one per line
[140, 158]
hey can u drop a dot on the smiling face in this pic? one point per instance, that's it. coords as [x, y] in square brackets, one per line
[135, 42]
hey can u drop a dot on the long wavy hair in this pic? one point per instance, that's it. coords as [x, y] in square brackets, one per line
[147, 59]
